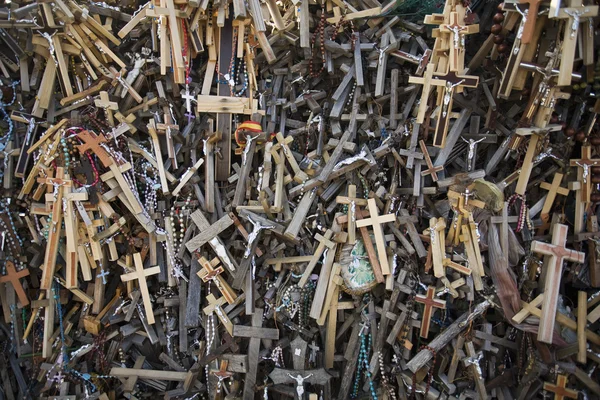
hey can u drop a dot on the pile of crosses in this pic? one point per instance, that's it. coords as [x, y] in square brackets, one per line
[299, 199]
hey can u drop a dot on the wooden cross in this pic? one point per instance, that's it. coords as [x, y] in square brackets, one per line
[410, 153]
[457, 48]
[427, 81]
[95, 143]
[352, 201]
[527, 166]
[140, 274]
[108, 106]
[409, 221]
[376, 221]
[59, 182]
[255, 332]
[13, 276]
[530, 16]
[560, 389]
[430, 168]
[573, 15]
[473, 363]
[553, 189]
[283, 143]
[584, 173]
[324, 242]
[437, 245]
[216, 305]
[558, 254]
[429, 301]
[210, 273]
[221, 373]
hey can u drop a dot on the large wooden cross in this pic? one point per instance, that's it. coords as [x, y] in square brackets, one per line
[560, 388]
[558, 254]
[584, 173]
[216, 305]
[13, 276]
[458, 31]
[140, 274]
[376, 221]
[573, 16]
[324, 242]
[429, 301]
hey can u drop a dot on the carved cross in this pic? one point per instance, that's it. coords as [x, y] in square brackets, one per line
[584, 174]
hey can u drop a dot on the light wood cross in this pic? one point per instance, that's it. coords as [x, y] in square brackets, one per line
[352, 201]
[210, 273]
[13, 276]
[376, 221]
[216, 305]
[427, 81]
[584, 173]
[430, 302]
[283, 143]
[558, 254]
[108, 106]
[437, 245]
[324, 242]
[458, 31]
[574, 14]
[140, 274]
[560, 388]
[431, 169]
[553, 189]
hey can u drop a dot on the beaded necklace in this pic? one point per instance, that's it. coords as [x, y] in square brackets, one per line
[321, 31]
[366, 342]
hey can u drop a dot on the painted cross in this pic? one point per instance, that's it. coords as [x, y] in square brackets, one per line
[210, 273]
[376, 221]
[13, 276]
[140, 274]
[584, 175]
[560, 388]
[558, 254]
[430, 168]
[430, 302]
[573, 15]
[457, 48]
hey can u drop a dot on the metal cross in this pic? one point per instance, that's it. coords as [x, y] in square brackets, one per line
[103, 275]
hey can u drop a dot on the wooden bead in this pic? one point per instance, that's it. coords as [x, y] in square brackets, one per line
[498, 18]
[595, 197]
[595, 170]
[498, 39]
[580, 136]
[570, 132]
[496, 29]
[595, 141]
[501, 7]
[503, 48]
[595, 178]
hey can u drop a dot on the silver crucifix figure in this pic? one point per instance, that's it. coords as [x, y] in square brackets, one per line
[448, 95]
[300, 384]
[471, 155]
[252, 236]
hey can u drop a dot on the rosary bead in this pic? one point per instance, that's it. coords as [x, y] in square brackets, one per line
[595, 141]
[496, 29]
[498, 18]
[595, 197]
[498, 39]
[570, 132]
[580, 136]
[503, 48]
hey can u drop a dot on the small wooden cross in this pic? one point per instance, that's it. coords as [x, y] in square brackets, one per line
[553, 189]
[210, 273]
[573, 16]
[140, 274]
[457, 48]
[376, 221]
[324, 242]
[13, 276]
[558, 254]
[560, 389]
[430, 168]
[429, 301]
[108, 106]
[584, 173]
[216, 305]
[352, 201]
[411, 154]
[95, 143]
[437, 245]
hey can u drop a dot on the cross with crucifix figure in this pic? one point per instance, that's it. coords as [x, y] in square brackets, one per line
[212, 274]
[411, 154]
[216, 305]
[376, 221]
[352, 202]
[430, 302]
[221, 374]
[59, 183]
[574, 14]
[13, 276]
[560, 388]
[108, 106]
[584, 175]
[558, 254]
[458, 32]
[140, 274]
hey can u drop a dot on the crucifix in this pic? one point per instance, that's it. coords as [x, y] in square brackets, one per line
[140, 274]
[411, 154]
[216, 305]
[471, 153]
[431, 169]
[13, 276]
[376, 221]
[300, 384]
[222, 374]
[529, 19]
[457, 48]
[210, 273]
[108, 106]
[60, 182]
[573, 15]
[558, 254]
[351, 201]
[430, 302]
[472, 361]
[584, 175]
[560, 389]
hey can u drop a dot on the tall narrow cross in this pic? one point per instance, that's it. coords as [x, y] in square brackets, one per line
[377, 221]
[431, 170]
[558, 254]
[457, 47]
[324, 242]
[437, 245]
[573, 15]
[451, 81]
[210, 273]
[411, 154]
[560, 388]
[427, 81]
[352, 202]
[140, 274]
[13, 276]
[430, 302]
[553, 189]
[584, 172]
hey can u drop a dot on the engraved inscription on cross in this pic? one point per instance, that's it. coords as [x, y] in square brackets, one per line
[558, 253]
